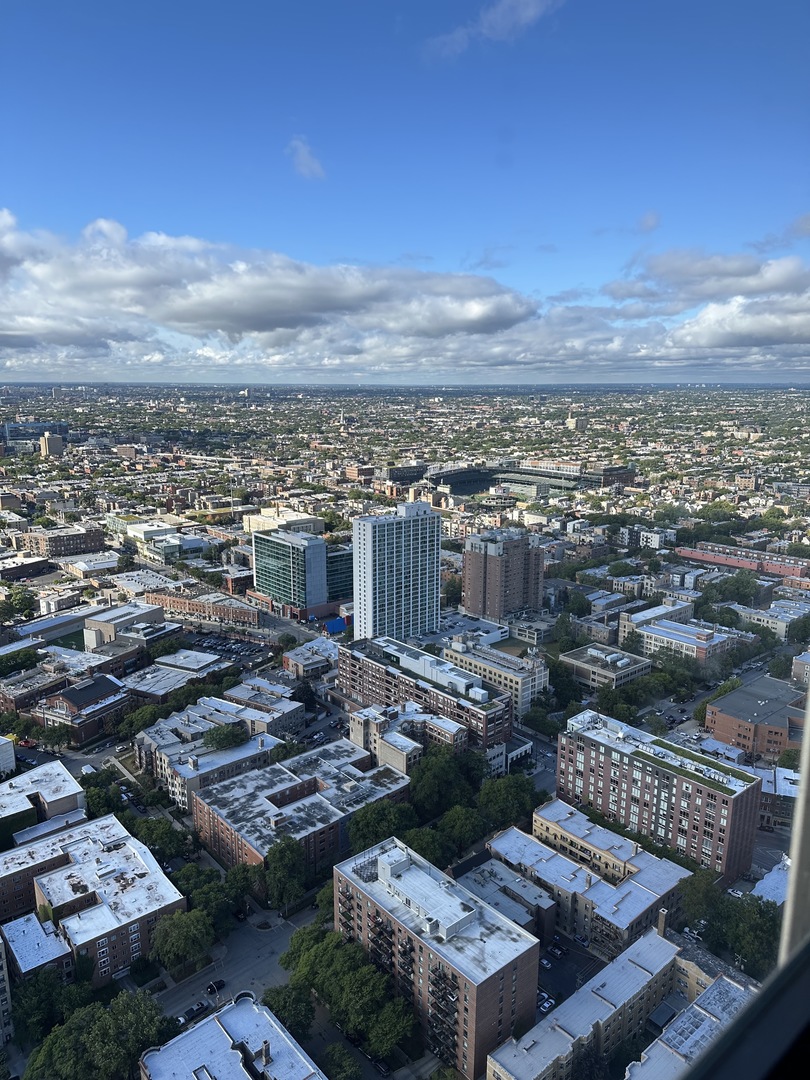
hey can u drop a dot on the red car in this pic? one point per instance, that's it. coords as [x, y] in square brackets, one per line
[28, 743]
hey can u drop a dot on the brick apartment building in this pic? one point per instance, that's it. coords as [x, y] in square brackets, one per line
[49, 543]
[763, 718]
[386, 672]
[502, 573]
[691, 802]
[470, 973]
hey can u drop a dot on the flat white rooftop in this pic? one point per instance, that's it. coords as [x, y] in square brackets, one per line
[618, 736]
[34, 944]
[474, 938]
[594, 1003]
[229, 1045]
[50, 781]
[619, 904]
[691, 1032]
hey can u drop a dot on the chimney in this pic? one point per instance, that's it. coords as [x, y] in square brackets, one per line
[266, 1059]
[261, 742]
[662, 921]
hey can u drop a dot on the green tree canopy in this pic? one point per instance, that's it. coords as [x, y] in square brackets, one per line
[285, 872]
[293, 1006]
[181, 938]
[225, 736]
[376, 821]
[104, 1042]
[789, 759]
[507, 800]
[437, 783]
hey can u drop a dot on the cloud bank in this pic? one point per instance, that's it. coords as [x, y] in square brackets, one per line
[179, 308]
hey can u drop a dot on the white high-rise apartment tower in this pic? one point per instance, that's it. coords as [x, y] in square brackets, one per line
[396, 573]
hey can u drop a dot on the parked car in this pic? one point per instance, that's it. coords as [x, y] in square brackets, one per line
[583, 941]
[545, 963]
[548, 1005]
[214, 986]
[555, 951]
[767, 828]
[382, 1068]
[735, 892]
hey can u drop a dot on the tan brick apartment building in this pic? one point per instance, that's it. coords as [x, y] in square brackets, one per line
[470, 973]
[49, 543]
[103, 889]
[502, 573]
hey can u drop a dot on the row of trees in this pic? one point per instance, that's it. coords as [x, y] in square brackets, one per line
[452, 806]
[78, 1036]
[360, 998]
[744, 929]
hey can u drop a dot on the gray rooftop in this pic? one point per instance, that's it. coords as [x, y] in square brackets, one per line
[229, 1045]
[595, 1003]
[51, 782]
[691, 1032]
[454, 923]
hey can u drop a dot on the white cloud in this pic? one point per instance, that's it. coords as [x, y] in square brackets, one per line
[304, 161]
[502, 20]
[181, 308]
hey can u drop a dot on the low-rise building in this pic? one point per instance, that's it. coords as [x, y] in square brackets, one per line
[241, 1041]
[205, 604]
[69, 540]
[763, 718]
[614, 1005]
[35, 796]
[206, 766]
[673, 610]
[312, 659]
[397, 736]
[469, 971]
[101, 888]
[311, 797]
[611, 913]
[594, 666]
[652, 985]
[86, 708]
[281, 716]
[701, 642]
[778, 617]
[386, 672]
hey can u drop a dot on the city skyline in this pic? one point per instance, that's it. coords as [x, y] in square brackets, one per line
[500, 192]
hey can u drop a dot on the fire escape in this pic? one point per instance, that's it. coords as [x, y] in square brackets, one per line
[381, 943]
[443, 1014]
[404, 969]
[346, 913]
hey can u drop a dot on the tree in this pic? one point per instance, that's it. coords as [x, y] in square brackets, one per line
[192, 876]
[161, 837]
[340, 1063]
[225, 736]
[326, 902]
[287, 641]
[241, 880]
[392, 1023]
[507, 800]
[437, 783]
[753, 934]
[181, 938]
[781, 666]
[104, 1042]
[430, 844]
[285, 872]
[461, 827]
[634, 643]
[376, 821]
[452, 591]
[789, 759]
[293, 1006]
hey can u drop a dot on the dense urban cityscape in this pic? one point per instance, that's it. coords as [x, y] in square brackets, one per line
[440, 732]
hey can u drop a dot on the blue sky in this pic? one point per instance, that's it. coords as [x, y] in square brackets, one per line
[429, 190]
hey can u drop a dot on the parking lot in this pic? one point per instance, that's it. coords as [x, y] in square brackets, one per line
[562, 975]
